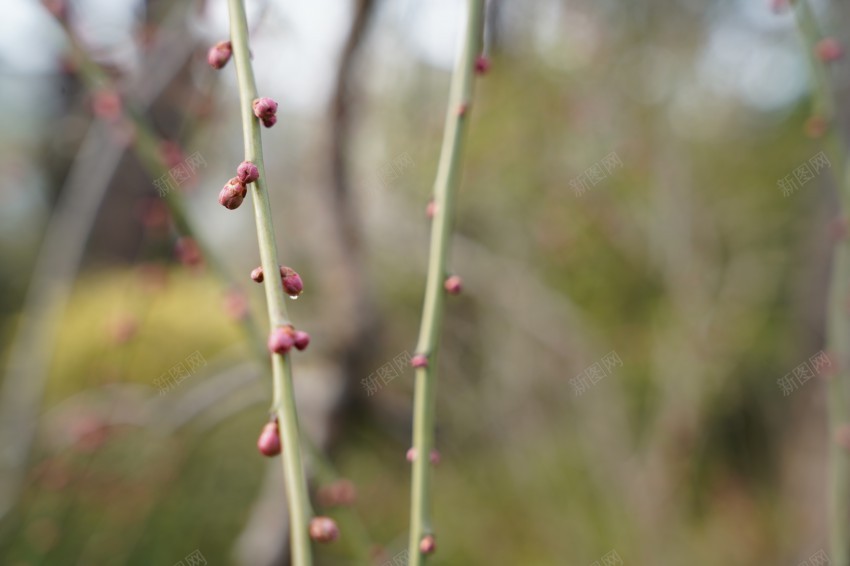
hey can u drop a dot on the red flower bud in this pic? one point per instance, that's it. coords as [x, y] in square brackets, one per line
[219, 54]
[419, 361]
[428, 544]
[323, 529]
[233, 193]
[829, 49]
[434, 457]
[482, 65]
[292, 284]
[247, 172]
[281, 340]
[270, 121]
[269, 441]
[301, 339]
[453, 284]
[264, 108]
[257, 274]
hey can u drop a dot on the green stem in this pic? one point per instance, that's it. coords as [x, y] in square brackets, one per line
[460, 100]
[284, 394]
[838, 323]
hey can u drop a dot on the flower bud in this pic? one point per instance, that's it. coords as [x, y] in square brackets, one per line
[842, 436]
[270, 121]
[453, 285]
[247, 172]
[219, 54]
[829, 49]
[281, 340]
[411, 454]
[482, 65]
[233, 193]
[431, 209]
[815, 126]
[107, 104]
[264, 108]
[428, 544]
[269, 441]
[434, 457]
[340, 492]
[323, 529]
[292, 284]
[235, 304]
[419, 361]
[301, 339]
[257, 274]
[187, 251]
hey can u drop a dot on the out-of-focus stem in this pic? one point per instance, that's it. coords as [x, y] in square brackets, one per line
[838, 318]
[460, 100]
[284, 394]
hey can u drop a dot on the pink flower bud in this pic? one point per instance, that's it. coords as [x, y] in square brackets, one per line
[419, 361]
[107, 104]
[281, 340]
[235, 304]
[323, 529]
[187, 251]
[463, 109]
[257, 274]
[453, 285]
[270, 121]
[269, 441]
[829, 49]
[434, 457]
[339, 493]
[428, 544]
[292, 284]
[232, 195]
[482, 65]
[431, 209]
[264, 108]
[411, 454]
[219, 54]
[247, 172]
[301, 339]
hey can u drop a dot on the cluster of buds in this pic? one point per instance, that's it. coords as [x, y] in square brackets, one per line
[419, 361]
[291, 281]
[235, 191]
[269, 441]
[283, 338]
[219, 54]
[265, 109]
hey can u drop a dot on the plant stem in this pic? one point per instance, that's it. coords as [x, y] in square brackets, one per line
[284, 395]
[460, 100]
[838, 322]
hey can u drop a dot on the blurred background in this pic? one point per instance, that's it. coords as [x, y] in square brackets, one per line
[640, 283]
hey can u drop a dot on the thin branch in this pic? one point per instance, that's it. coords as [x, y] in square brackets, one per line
[284, 395]
[460, 101]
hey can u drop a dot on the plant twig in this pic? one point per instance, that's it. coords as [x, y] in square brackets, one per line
[284, 394]
[838, 318]
[460, 100]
